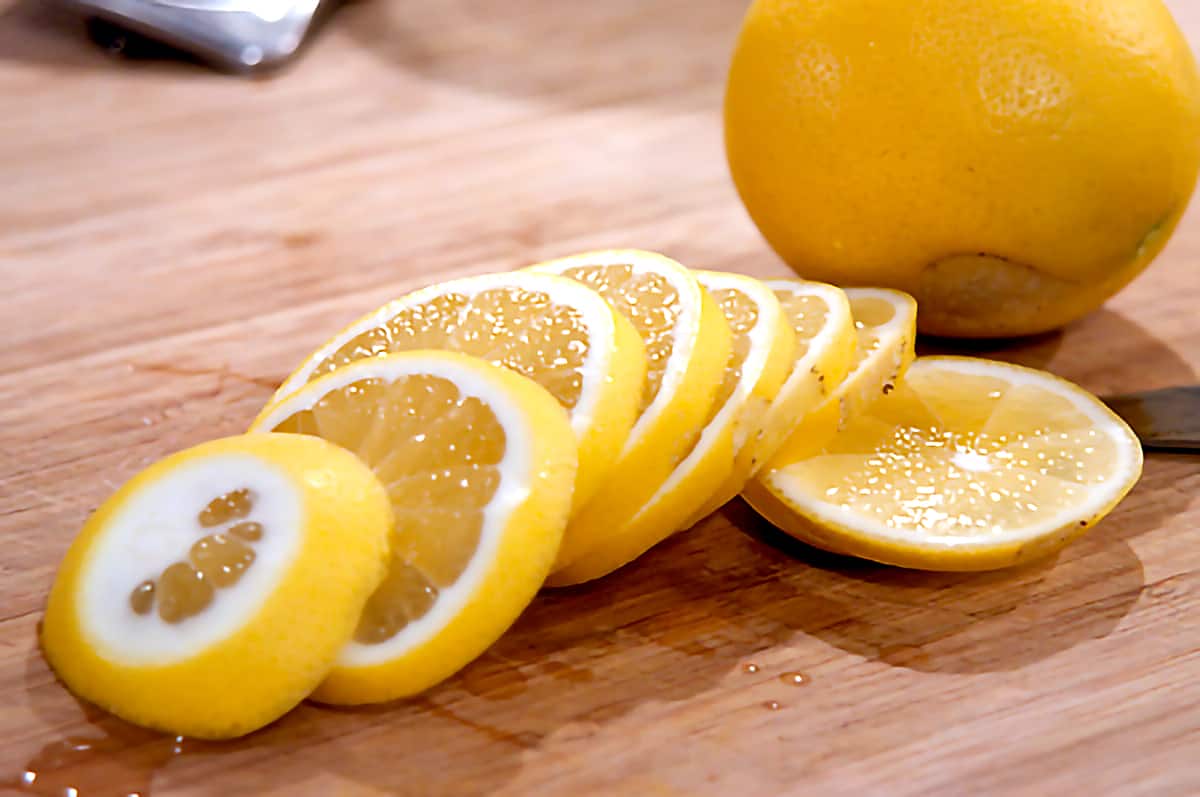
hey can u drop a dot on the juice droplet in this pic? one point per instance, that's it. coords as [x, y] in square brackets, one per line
[750, 668]
[795, 679]
[772, 705]
[121, 761]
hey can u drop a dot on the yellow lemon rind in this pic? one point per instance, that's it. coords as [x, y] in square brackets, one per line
[933, 174]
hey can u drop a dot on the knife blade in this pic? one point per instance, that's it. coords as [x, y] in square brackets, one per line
[1166, 419]
[241, 35]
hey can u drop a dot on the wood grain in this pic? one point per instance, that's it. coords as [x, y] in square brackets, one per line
[172, 241]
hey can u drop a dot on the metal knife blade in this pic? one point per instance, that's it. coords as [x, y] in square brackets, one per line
[1167, 419]
[242, 35]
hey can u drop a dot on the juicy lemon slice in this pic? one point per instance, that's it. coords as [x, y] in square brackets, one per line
[687, 345]
[885, 323]
[826, 342]
[478, 463]
[214, 591]
[551, 329]
[719, 462]
[970, 465]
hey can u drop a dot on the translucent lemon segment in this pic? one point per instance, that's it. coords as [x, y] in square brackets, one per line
[512, 325]
[688, 343]
[969, 465]
[718, 461]
[742, 315]
[647, 299]
[478, 464]
[438, 454]
[550, 329]
[216, 589]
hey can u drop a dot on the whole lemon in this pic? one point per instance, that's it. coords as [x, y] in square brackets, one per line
[1011, 163]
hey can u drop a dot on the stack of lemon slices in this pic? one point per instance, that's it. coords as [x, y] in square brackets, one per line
[416, 481]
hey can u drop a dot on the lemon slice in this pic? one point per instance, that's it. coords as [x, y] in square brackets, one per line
[885, 324]
[970, 465]
[826, 341]
[551, 329]
[687, 344]
[478, 463]
[720, 461]
[214, 591]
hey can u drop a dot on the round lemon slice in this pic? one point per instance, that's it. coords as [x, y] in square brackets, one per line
[478, 464]
[969, 465]
[688, 343]
[885, 324]
[214, 591]
[551, 329]
[826, 341]
[719, 462]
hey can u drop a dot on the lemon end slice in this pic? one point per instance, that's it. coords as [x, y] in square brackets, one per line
[186, 603]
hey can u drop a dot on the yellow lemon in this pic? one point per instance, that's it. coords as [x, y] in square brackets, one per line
[1010, 163]
[688, 343]
[559, 333]
[719, 461]
[885, 324]
[826, 343]
[215, 590]
[478, 463]
[968, 465]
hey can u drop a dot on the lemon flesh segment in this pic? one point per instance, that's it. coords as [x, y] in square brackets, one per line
[688, 343]
[885, 324]
[970, 465]
[551, 329]
[215, 590]
[478, 463]
[826, 342]
[719, 462]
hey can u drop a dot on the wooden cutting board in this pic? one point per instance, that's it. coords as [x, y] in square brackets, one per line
[172, 241]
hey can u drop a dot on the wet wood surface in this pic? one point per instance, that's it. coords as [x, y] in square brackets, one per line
[173, 240]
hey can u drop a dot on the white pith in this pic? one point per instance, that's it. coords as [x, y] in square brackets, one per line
[155, 528]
